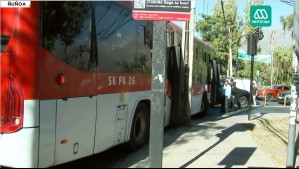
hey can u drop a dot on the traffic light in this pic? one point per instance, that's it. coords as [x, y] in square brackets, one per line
[252, 44]
[260, 35]
[258, 31]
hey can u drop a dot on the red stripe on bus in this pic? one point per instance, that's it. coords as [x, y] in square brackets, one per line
[198, 89]
[77, 83]
[123, 82]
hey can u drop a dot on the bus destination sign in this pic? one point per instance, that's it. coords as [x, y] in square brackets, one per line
[162, 10]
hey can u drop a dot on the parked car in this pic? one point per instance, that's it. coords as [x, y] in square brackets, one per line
[271, 93]
[241, 96]
[284, 97]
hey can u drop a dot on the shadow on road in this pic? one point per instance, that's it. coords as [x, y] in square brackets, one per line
[229, 160]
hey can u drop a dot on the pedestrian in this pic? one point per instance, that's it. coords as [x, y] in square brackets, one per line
[222, 101]
[227, 88]
[254, 92]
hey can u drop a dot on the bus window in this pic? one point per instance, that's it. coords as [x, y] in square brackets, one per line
[66, 32]
[144, 41]
[116, 34]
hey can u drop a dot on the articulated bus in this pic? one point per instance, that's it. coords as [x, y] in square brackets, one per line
[76, 80]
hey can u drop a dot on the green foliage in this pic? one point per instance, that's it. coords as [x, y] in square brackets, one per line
[213, 29]
[287, 22]
[283, 65]
[68, 16]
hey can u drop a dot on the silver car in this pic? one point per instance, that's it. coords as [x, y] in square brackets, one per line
[284, 97]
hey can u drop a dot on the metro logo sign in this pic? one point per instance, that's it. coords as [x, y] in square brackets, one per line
[260, 16]
[161, 10]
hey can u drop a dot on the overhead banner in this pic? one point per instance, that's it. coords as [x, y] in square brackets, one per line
[264, 58]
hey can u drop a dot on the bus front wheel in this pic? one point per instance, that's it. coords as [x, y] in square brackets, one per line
[140, 127]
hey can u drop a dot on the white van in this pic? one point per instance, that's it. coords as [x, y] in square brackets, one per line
[243, 83]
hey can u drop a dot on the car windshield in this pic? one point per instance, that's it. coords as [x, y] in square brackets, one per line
[273, 86]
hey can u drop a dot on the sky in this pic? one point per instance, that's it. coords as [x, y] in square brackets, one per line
[278, 9]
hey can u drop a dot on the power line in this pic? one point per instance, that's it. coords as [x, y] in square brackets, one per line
[289, 2]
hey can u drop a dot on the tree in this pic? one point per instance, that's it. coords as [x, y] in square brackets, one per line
[214, 29]
[283, 59]
[287, 22]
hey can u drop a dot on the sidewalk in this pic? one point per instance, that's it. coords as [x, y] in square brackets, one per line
[216, 141]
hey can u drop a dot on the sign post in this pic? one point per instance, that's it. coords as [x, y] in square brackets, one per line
[260, 16]
[159, 11]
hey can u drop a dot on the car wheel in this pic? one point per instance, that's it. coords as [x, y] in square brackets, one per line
[140, 127]
[269, 97]
[243, 102]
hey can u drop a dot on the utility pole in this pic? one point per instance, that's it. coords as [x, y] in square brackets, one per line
[190, 58]
[272, 54]
[189, 63]
[230, 36]
[230, 60]
[158, 96]
[294, 92]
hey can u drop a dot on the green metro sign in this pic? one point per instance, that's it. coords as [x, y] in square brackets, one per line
[260, 16]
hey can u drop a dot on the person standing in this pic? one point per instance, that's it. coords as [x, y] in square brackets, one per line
[227, 95]
[223, 98]
[254, 92]
[233, 92]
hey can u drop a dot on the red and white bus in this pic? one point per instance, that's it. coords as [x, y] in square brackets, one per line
[76, 80]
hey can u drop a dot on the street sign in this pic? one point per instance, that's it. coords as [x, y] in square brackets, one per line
[161, 10]
[260, 16]
[263, 58]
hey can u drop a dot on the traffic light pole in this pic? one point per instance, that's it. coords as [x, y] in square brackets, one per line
[251, 50]
[251, 79]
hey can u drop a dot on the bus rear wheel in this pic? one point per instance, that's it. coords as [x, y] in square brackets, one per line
[140, 127]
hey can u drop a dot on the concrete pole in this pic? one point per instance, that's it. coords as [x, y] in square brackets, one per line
[293, 115]
[190, 59]
[294, 94]
[158, 96]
